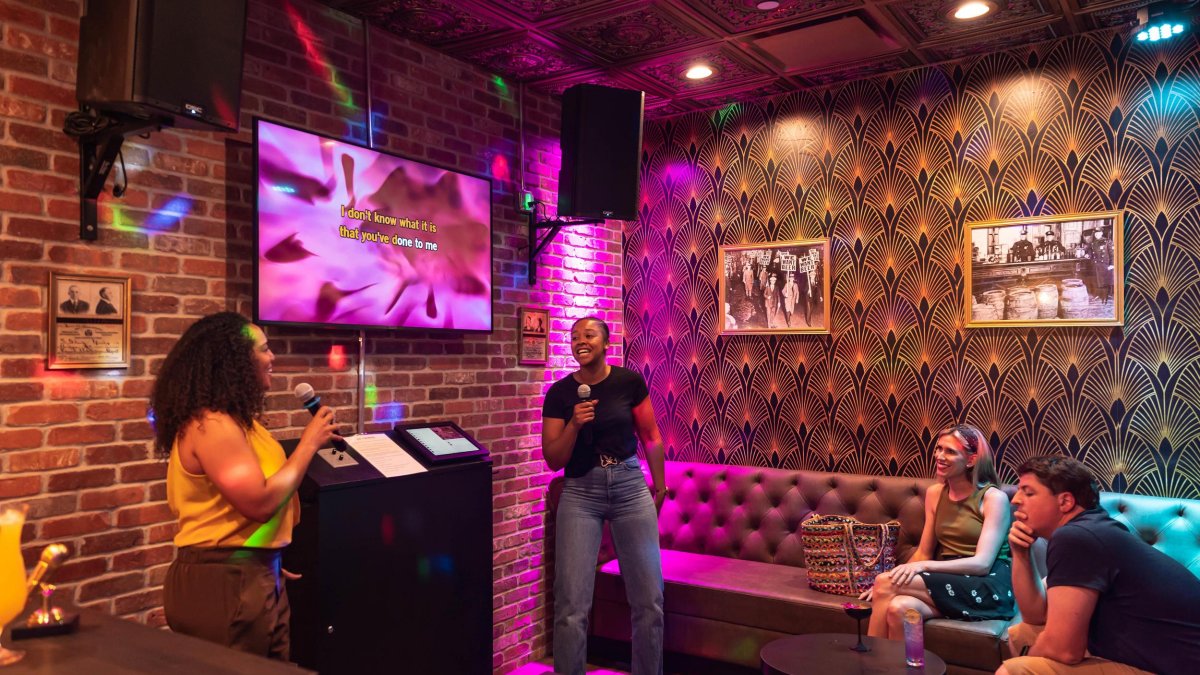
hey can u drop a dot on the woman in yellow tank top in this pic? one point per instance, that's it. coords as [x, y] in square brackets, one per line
[961, 569]
[230, 485]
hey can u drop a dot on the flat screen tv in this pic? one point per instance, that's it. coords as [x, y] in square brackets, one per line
[351, 237]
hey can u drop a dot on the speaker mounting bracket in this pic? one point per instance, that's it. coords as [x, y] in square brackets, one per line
[536, 246]
[98, 148]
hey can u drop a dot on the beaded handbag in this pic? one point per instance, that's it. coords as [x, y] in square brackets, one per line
[844, 555]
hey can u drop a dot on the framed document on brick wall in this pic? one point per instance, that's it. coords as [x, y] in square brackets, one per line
[89, 322]
[533, 341]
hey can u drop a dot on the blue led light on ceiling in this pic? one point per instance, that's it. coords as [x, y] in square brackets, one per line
[1162, 31]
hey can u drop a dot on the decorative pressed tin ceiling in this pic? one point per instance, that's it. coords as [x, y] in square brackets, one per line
[647, 44]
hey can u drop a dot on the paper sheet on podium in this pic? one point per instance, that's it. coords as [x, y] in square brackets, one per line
[384, 454]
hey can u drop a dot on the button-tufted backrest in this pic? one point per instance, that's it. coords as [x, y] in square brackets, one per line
[1169, 525]
[754, 513]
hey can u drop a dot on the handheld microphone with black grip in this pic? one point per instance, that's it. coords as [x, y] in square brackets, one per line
[312, 403]
[585, 394]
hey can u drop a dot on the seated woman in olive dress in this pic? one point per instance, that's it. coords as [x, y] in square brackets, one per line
[962, 568]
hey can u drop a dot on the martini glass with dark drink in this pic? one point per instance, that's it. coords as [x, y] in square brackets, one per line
[858, 612]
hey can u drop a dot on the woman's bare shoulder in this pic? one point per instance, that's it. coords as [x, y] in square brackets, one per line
[995, 496]
[934, 492]
[210, 423]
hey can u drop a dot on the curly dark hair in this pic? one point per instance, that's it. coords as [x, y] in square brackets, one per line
[210, 368]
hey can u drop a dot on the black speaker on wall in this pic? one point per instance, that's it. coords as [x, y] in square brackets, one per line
[175, 60]
[601, 147]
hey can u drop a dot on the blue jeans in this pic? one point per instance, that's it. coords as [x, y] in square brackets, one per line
[619, 495]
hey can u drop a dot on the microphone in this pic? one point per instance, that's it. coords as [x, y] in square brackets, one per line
[308, 398]
[585, 394]
[312, 403]
[52, 557]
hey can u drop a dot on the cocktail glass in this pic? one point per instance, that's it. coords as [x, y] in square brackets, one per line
[12, 573]
[858, 612]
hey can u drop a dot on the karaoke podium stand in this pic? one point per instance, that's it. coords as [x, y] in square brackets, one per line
[397, 572]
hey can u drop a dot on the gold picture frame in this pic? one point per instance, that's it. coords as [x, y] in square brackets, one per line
[1046, 271]
[88, 322]
[533, 341]
[757, 295]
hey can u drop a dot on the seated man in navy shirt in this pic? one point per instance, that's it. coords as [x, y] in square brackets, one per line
[1131, 607]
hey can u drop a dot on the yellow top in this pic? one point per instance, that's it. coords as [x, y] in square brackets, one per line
[207, 519]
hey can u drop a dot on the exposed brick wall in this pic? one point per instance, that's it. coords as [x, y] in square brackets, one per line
[75, 446]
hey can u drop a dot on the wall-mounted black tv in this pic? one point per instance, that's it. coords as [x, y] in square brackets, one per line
[351, 237]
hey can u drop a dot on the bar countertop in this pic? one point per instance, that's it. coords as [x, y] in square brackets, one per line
[106, 645]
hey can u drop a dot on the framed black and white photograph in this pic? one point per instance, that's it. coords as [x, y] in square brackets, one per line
[775, 287]
[1050, 271]
[89, 322]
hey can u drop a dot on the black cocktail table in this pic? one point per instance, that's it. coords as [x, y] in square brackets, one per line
[821, 653]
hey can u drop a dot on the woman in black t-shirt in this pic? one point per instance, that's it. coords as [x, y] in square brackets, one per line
[593, 433]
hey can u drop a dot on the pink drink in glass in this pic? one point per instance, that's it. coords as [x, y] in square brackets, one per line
[914, 639]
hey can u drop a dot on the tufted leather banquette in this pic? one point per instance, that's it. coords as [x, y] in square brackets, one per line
[734, 572]
[1169, 525]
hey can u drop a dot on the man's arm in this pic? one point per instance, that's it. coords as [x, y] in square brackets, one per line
[1027, 585]
[1069, 612]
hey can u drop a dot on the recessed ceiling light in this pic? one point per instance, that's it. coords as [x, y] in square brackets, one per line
[767, 5]
[698, 72]
[972, 10]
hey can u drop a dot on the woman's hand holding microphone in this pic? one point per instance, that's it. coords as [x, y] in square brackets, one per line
[321, 429]
[585, 411]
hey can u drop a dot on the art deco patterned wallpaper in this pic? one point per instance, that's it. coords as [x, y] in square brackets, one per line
[891, 168]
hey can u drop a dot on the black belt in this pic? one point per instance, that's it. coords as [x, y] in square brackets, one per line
[604, 459]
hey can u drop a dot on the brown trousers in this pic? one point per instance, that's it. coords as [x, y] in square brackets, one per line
[1021, 637]
[231, 596]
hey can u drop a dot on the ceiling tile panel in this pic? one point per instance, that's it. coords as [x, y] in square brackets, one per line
[640, 32]
[844, 39]
[523, 59]
[739, 95]
[537, 10]
[739, 16]
[558, 85]
[859, 71]
[993, 42]
[930, 23]
[1110, 15]
[727, 71]
[670, 110]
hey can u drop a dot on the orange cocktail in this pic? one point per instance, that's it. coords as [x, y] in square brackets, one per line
[12, 573]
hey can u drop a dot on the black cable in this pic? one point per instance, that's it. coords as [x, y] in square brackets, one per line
[80, 123]
[119, 190]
